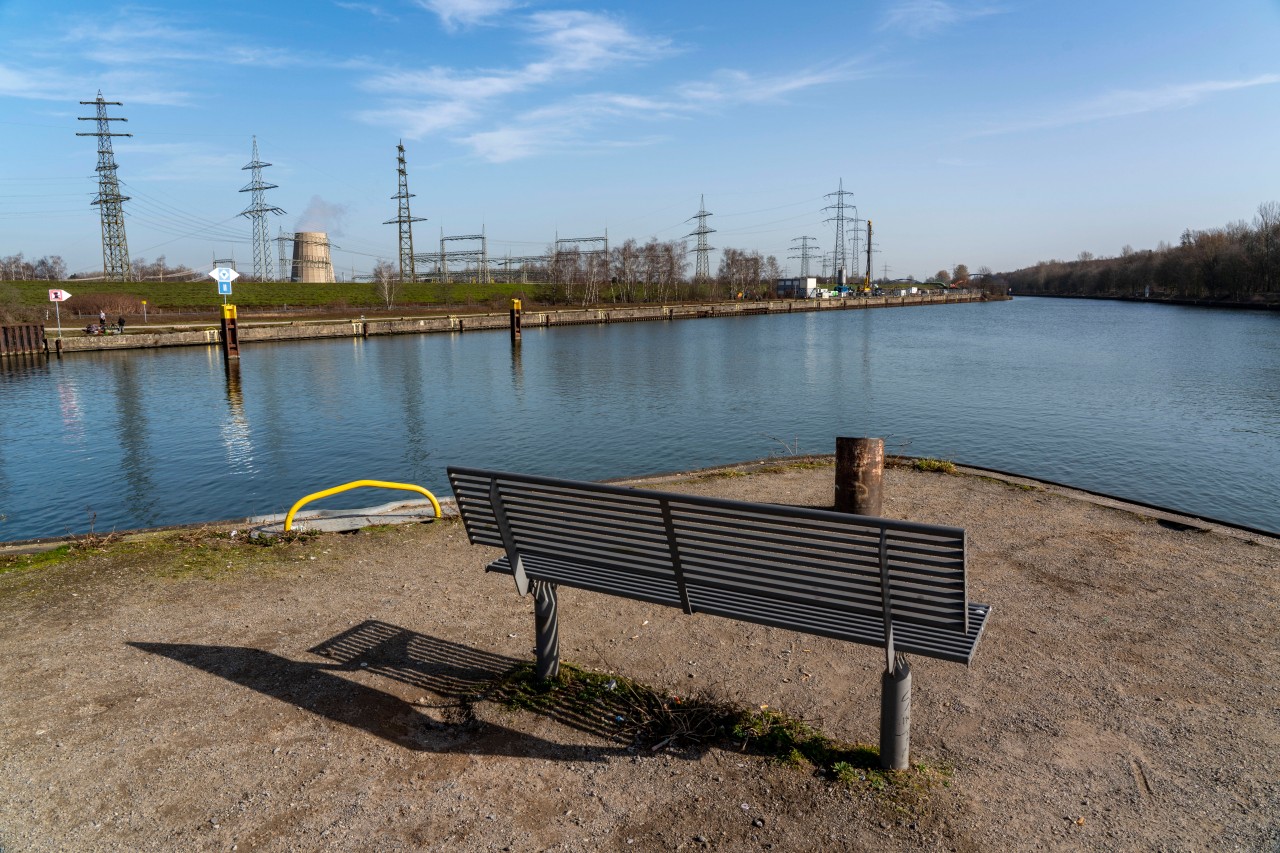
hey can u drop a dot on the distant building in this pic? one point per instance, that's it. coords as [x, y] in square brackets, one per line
[311, 261]
[797, 288]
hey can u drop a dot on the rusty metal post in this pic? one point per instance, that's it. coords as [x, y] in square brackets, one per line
[859, 475]
[230, 335]
[515, 321]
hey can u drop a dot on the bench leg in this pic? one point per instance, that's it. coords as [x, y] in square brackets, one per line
[895, 716]
[547, 629]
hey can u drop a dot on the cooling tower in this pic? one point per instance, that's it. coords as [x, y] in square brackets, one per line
[311, 261]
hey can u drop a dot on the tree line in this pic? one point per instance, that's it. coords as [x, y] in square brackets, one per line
[656, 271]
[53, 268]
[1239, 262]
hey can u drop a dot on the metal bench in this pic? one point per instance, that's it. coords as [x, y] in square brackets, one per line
[898, 585]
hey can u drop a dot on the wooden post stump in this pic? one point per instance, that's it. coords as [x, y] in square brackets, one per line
[859, 475]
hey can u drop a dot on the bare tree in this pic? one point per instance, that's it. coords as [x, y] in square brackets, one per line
[386, 282]
[769, 274]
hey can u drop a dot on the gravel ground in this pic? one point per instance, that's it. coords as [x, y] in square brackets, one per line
[193, 692]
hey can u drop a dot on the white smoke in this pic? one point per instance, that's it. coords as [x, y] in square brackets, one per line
[320, 215]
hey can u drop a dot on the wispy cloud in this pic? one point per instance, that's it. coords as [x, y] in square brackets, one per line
[141, 39]
[116, 85]
[464, 13]
[574, 123]
[920, 18]
[570, 47]
[371, 9]
[571, 43]
[729, 86]
[1127, 102]
[39, 85]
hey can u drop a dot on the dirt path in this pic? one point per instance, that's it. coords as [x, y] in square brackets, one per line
[194, 693]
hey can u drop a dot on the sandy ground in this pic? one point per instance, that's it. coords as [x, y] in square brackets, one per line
[192, 693]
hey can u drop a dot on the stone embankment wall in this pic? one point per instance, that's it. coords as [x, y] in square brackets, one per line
[304, 330]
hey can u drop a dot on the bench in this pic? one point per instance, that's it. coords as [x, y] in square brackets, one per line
[897, 585]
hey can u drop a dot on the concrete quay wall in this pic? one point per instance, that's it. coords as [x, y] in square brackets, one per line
[303, 330]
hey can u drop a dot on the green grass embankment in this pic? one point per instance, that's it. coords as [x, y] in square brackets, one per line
[88, 297]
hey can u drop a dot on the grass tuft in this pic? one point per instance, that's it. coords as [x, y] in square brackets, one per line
[941, 466]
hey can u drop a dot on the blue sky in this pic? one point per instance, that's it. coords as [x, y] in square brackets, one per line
[994, 132]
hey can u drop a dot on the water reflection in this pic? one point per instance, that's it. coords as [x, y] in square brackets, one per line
[69, 409]
[413, 405]
[517, 370]
[132, 431]
[237, 441]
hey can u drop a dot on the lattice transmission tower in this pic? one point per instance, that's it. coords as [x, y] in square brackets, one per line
[702, 265]
[404, 219]
[839, 260]
[807, 244]
[115, 248]
[257, 212]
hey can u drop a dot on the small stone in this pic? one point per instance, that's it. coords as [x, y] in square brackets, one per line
[758, 822]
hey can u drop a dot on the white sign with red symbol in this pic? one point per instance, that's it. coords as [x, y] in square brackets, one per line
[58, 296]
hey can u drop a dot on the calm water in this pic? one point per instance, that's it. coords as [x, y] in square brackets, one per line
[1179, 407]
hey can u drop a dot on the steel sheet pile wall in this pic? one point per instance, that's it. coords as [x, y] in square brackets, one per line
[22, 339]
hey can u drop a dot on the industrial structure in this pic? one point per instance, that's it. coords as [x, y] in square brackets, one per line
[702, 264]
[115, 248]
[257, 212]
[806, 245]
[404, 219]
[311, 261]
[839, 260]
[473, 255]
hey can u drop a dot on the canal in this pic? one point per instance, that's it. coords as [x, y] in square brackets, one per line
[1179, 407]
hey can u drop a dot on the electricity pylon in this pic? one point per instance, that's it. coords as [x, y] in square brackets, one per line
[115, 248]
[806, 244]
[838, 259]
[404, 219]
[702, 265]
[257, 212]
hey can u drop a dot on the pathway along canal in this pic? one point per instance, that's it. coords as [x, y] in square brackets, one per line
[1178, 407]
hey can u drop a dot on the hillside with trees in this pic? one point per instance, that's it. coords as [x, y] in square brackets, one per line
[1238, 263]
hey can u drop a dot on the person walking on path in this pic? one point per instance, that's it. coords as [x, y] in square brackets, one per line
[102, 319]
[120, 323]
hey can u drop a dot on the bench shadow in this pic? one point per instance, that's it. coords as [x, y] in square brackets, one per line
[455, 676]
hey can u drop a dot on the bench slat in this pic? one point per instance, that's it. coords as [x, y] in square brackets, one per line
[656, 590]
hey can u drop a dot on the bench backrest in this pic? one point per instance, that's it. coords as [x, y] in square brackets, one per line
[809, 570]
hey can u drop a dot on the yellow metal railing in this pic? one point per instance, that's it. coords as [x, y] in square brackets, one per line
[381, 484]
